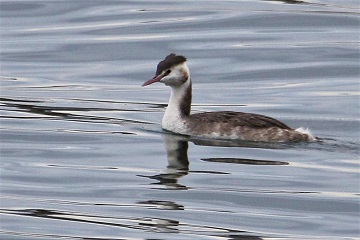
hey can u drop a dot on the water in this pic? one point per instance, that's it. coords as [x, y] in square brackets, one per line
[82, 151]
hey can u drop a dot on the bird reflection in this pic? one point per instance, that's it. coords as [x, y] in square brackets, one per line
[176, 147]
[178, 162]
[177, 151]
[161, 205]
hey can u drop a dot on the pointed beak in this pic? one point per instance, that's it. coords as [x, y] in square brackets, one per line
[153, 80]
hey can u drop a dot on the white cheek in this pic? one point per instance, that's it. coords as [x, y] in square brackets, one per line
[179, 74]
[172, 79]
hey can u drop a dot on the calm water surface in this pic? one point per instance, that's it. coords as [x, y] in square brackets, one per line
[83, 155]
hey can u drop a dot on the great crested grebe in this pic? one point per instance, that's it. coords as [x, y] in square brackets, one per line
[174, 72]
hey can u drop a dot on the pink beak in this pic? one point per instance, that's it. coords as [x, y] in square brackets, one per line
[153, 80]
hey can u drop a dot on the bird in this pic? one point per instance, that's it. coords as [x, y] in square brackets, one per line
[227, 125]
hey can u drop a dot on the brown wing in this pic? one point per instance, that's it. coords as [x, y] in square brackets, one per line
[238, 119]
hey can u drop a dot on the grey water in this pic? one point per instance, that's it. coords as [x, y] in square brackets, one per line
[83, 155]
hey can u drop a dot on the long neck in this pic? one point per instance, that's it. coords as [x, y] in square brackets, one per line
[180, 99]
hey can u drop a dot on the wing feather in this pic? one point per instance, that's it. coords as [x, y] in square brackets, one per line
[238, 119]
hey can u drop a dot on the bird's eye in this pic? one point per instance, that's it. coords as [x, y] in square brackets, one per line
[167, 72]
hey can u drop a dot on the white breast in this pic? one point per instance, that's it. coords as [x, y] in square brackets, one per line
[173, 122]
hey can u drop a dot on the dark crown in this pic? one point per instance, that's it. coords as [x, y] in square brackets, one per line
[170, 61]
